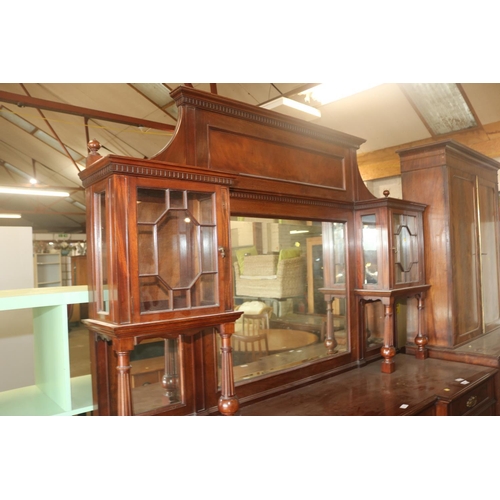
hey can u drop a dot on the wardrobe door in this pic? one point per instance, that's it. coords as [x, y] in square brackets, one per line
[488, 230]
[465, 250]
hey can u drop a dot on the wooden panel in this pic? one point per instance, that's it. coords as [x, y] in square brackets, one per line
[463, 236]
[273, 160]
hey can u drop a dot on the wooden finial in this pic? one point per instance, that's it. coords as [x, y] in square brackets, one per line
[93, 146]
[386, 193]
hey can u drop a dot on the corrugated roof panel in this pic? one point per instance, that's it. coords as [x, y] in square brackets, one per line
[441, 105]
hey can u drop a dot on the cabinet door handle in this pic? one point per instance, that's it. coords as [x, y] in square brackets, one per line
[222, 252]
[471, 402]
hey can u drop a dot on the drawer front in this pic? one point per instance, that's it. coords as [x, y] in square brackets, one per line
[474, 399]
[430, 411]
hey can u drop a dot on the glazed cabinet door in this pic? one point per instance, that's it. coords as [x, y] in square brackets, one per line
[406, 247]
[179, 266]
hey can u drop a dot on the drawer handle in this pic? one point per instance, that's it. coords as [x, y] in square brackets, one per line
[472, 401]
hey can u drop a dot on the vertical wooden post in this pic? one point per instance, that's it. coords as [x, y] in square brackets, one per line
[122, 350]
[169, 380]
[228, 402]
[330, 341]
[421, 340]
[388, 351]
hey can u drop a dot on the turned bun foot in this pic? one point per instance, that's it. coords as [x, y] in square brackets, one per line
[228, 406]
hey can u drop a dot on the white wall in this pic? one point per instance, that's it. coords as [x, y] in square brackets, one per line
[16, 327]
[392, 184]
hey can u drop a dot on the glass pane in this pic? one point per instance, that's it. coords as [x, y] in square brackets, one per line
[371, 243]
[489, 262]
[148, 262]
[177, 199]
[405, 240]
[201, 206]
[181, 298]
[278, 269]
[155, 379]
[204, 291]
[151, 204]
[208, 254]
[178, 249]
[102, 243]
[155, 295]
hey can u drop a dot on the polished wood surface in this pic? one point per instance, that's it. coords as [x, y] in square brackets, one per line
[415, 388]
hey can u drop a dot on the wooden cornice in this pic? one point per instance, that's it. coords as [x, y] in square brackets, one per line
[385, 162]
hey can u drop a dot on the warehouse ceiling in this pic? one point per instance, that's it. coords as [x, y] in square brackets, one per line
[45, 128]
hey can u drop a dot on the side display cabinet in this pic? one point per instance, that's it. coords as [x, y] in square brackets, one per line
[159, 268]
[390, 266]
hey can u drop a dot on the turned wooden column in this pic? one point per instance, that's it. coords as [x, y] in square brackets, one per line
[122, 350]
[228, 402]
[330, 341]
[421, 340]
[388, 351]
[170, 377]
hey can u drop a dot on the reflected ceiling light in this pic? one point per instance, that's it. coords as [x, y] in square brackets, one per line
[33, 181]
[292, 108]
[10, 216]
[325, 93]
[299, 231]
[32, 191]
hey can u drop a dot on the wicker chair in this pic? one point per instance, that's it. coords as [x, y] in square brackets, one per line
[266, 277]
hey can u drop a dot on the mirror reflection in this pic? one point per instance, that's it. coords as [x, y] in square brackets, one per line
[278, 273]
[155, 377]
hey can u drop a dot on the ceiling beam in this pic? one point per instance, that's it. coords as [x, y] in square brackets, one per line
[58, 107]
[54, 132]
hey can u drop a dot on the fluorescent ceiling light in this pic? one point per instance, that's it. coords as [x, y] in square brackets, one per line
[299, 231]
[10, 216]
[325, 93]
[32, 191]
[292, 108]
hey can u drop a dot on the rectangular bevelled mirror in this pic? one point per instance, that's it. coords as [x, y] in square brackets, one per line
[156, 375]
[278, 271]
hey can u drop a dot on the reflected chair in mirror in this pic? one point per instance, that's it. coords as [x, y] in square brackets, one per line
[252, 339]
